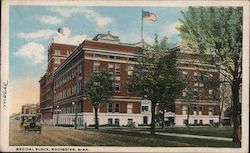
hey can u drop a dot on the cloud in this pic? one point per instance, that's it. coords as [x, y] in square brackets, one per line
[44, 34]
[65, 12]
[65, 38]
[50, 20]
[171, 30]
[32, 51]
[101, 21]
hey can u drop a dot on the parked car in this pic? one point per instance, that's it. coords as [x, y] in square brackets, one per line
[31, 123]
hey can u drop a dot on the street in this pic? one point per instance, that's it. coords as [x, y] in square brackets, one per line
[50, 136]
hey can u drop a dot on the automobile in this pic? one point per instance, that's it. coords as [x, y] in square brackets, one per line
[31, 123]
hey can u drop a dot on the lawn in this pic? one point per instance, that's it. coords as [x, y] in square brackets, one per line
[133, 138]
[226, 132]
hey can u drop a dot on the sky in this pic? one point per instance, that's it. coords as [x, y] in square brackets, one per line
[32, 29]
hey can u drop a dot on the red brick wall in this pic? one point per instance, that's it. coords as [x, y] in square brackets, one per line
[136, 107]
[87, 107]
[205, 110]
[103, 108]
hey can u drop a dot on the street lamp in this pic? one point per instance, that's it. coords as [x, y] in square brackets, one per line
[75, 108]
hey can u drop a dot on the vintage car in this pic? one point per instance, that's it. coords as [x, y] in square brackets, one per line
[30, 123]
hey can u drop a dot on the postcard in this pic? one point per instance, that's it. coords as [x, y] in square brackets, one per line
[124, 76]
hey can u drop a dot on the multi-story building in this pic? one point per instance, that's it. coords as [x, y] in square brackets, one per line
[30, 109]
[104, 52]
[62, 97]
[57, 53]
[202, 107]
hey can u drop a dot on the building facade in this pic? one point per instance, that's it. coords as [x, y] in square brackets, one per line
[57, 53]
[61, 89]
[104, 52]
[30, 109]
[202, 108]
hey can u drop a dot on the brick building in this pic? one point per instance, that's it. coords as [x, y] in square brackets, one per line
[57, 53]
[203, 108]
[61, 88]
[30, 109]
[103, 52]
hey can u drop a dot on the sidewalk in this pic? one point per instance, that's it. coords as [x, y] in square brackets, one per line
[190, 136]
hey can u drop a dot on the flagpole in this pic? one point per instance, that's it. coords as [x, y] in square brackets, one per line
[142, 25]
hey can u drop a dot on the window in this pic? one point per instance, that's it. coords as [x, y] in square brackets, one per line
[97, 55]
[210, 109]
[117, 69]
[130, 108]
[195, 122]
[117, 123]
[57, 52]
[210, 91]
[195, 108]
[57, 60]
[111, 69]
[118, 57]
[110, 107]
[110, 121]
[144, 108]
[201, 122]
[184, 110]
[117, 78]
[130, 121]
[96, 67]
[184, 94]
[200, 108]
[117, 107]
[131, 59]
[111, 57]
[185, 121]
[211, 121]
[145, 120]
[117, 87]
[130, 69]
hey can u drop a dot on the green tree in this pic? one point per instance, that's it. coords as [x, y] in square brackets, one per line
[99, 89]
[221, 92]
[218, 32]
[155, 76]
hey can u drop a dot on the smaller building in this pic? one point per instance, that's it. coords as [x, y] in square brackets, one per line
[30, 109]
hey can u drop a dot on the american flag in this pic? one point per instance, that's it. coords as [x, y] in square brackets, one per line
[148, 16]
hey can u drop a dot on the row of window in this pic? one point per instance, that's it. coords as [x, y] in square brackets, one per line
[70, 75]
[113, 68]
[75, 89]
[71, 109]
[110, 108]
[112, 57]
[196, 110]
[196, 122]
[184, 92]
[58, 52]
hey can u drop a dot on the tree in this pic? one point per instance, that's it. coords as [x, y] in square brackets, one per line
[99, 89]
[221, 92]
[155, 76]
[218, 32]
